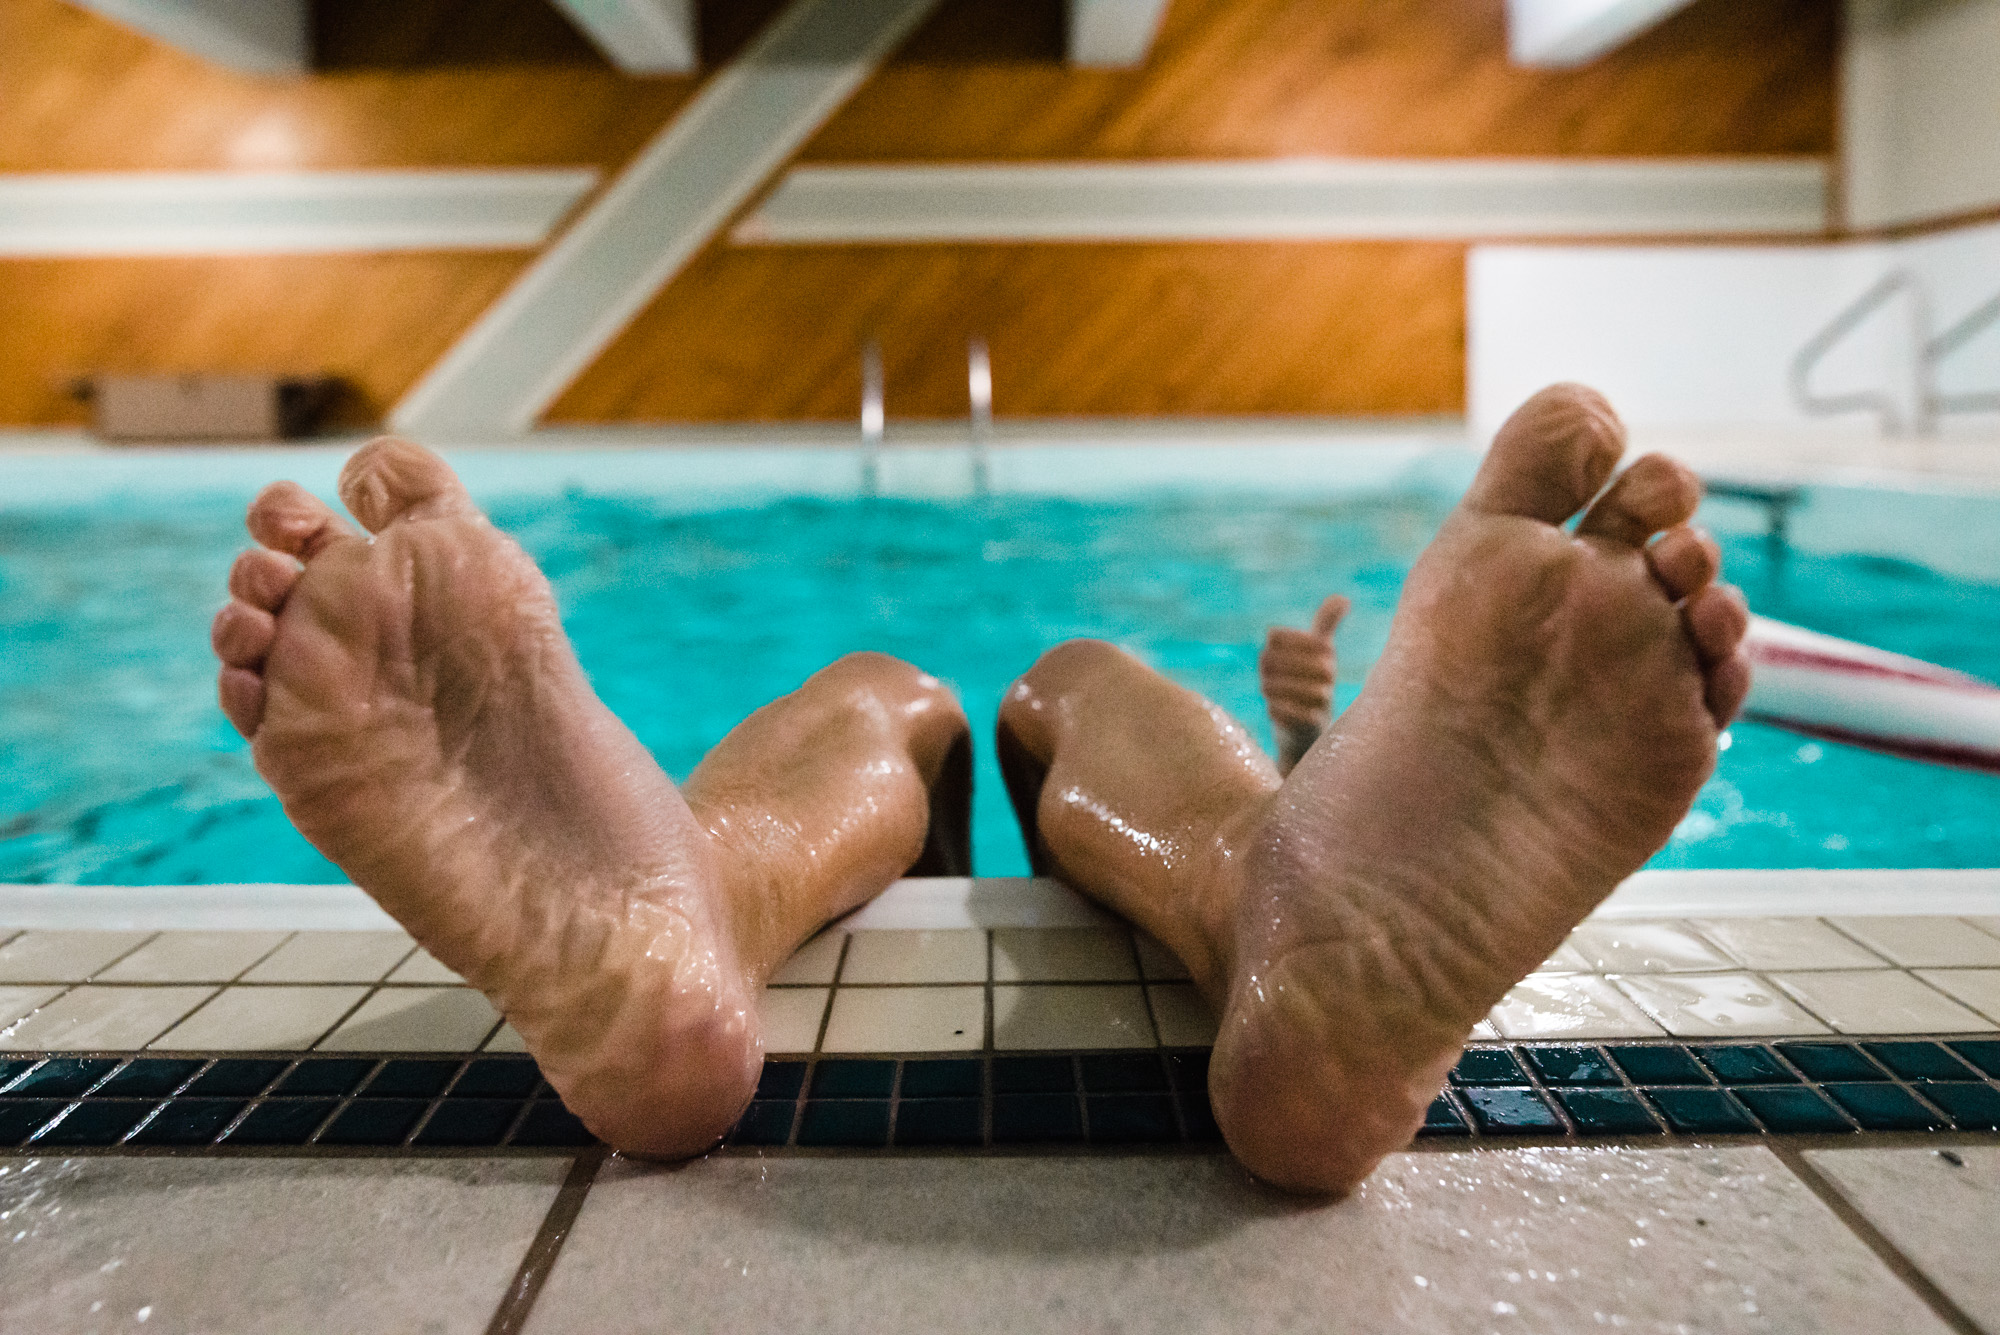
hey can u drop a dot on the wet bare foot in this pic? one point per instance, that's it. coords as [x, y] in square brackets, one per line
[1295, 673]
[413, 700]
[1546, 709]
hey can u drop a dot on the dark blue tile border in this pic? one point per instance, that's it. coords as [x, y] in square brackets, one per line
[1560, 1091]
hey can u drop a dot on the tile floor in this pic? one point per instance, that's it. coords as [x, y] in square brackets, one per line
[950, 989]
[358, 1039]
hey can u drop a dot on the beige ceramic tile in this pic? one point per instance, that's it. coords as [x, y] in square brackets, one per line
[1576, 1005]
[1989, 924]
[506, 1039]
[1878, 1003]
[1063, 955]
[110, 1019]
[271, 1019]
[1730, 1005]
[192, 957]
[791, 1017]
[1537, 1241]
[16, 1002]
[906, 1019]
[1644, 947]
[1181, 1015]
[1788, 943]
[814, 962]
[422, 967]
[62, 957]
[1567, 959]
[1926, 943]
[1156, 961]
[1977, 988]
[1060, 1016]
[333, 957]
[296, 1245]
[416, 1019]
[955, 955]
[1941, 1213]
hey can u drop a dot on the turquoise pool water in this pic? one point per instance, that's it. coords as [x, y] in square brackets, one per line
[119, 769]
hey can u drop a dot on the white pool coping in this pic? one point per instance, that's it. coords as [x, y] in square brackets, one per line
[945, 902]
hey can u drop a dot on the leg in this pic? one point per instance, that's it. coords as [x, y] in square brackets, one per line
[1545, 712]
[412, 699]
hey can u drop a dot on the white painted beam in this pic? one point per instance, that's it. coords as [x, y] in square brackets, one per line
[255, 36]
[673, 198]
[1112, 34]
[1558, 34]
[265, 213]
[640, 36]
[1302, 199]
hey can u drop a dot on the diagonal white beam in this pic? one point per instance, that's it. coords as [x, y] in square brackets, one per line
[255, 36]
[662, 209]
[1558, 34]
[639, 36]
[1112, 34]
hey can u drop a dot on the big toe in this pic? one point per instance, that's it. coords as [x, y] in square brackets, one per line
[390, 477]
[1551, 457]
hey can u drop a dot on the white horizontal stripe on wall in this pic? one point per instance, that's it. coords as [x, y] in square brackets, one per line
[237, 213]
[1292, 199]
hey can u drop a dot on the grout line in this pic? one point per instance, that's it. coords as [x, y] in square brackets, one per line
[540, 1258]
[1876, 1241]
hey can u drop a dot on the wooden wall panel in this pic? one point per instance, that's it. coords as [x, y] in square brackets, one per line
[378, 320]
[427, 83]
[1264, 78]
[769, 333]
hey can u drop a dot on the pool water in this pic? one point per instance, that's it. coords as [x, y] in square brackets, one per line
[118, 768]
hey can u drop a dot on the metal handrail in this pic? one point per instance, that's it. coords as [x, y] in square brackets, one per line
[1975, 322]
[872, 417]
[979, 381]
[1845, 323]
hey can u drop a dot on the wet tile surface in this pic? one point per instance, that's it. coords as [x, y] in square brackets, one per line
[957, 956]
[192, 957]
[1533, 1239]
[1551, 1005]
[1867, 1003]
[1941, 1209]
[907, 1019]
[416, 1019]
[113, 1018]
[271, 1018]
[63, 957]
[1719, 1005]
[1787, 943]
[1063, 955]
[305, 1245]
[1644, 947]
[1063, 1016]
[333, 957]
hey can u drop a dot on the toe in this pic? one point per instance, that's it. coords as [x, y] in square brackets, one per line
[1551, 457]
[242, 635]
[1685, 561]
[389, 477]
[1728, 685]
[287, 518]
[242, 694]
[1653, 494]
[262, 578]
[1716, 619]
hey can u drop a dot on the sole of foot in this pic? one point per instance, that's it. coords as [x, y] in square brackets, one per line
[1544, 714]
[410, 695]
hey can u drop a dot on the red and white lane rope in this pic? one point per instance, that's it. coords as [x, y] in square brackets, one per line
[1847, 692]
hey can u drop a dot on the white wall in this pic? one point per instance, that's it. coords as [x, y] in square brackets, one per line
[1921, 109]
[1702, 337]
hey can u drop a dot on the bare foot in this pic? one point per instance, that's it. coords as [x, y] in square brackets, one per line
[1296, 673]
[412, 699]
[1546, 709]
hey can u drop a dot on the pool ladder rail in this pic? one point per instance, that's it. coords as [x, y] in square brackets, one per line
[1914, 406]
[979, 387]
